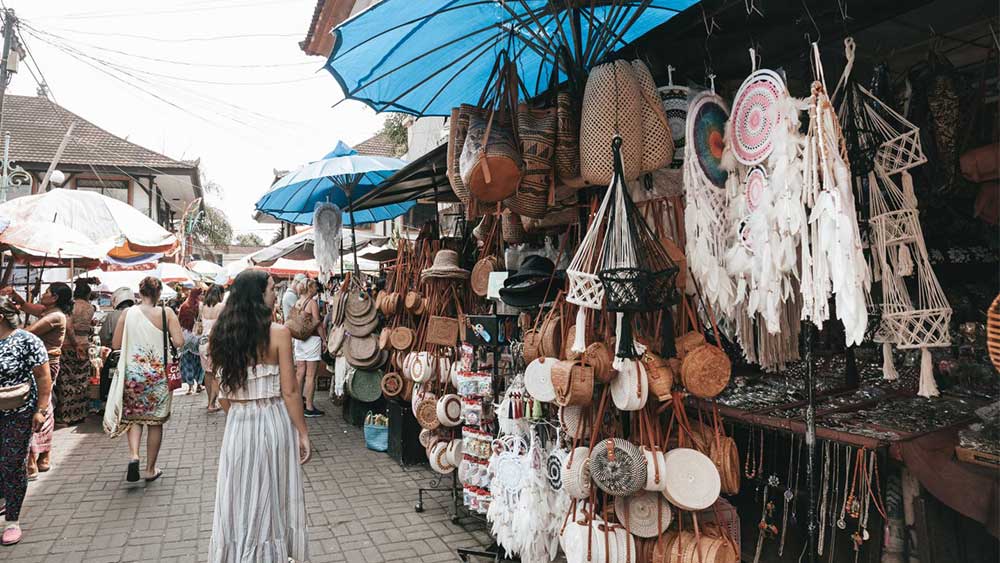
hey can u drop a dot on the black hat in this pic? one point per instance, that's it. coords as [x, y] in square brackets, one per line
[532, 268]
[533, 284]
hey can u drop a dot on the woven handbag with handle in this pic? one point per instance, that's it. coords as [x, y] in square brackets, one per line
[537, 131]
[301, 323]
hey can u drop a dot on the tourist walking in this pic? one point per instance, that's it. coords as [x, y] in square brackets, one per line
[121, 300]
[26, 388]
[141, 336]
[260, 510]
[190, 361]
[291, 295]
[52, 311]
[74, 375]
[308, 352]
[211, 308]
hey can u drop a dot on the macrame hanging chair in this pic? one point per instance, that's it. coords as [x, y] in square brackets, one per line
[914, 315]
[636, 272]
[585, 288]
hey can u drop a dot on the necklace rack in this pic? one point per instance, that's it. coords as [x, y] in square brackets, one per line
[833, 505]
[823, 501]
[789, 494]
[841, 522]
[749, 467]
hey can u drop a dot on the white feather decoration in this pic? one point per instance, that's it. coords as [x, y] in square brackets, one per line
[327, 225]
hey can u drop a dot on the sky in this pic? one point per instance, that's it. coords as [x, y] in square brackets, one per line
[220, 80]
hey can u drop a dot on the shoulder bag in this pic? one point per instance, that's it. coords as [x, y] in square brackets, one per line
[116, 393]
[301, 323]
[171, 368]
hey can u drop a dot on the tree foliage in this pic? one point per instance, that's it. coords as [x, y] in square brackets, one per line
[394, 129]
[213, 228]
[249, 239]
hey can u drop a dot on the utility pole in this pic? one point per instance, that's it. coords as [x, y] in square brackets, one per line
[10, 20]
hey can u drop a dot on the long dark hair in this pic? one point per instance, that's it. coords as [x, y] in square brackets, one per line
[214, 296]
[243, 332]
[82, 289]
[64, 296]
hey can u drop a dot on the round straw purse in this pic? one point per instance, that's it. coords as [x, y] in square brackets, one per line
[705, 371]
[726, 457]
[392, 384]
[598, 356]
[551, 336]
[573, 383]
[401, 338]
[412, 301]
[687, 342]
[480, 278]
[618, 467]
[691, 480]
[645, 513]
[576, 477]
[426, 412]
[532, 348]
[449, 410]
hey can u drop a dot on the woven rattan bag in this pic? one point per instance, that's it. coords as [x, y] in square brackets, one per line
[512, 228]
[612, 105]
[705, 371]
[573, 383]
[491, 163]
[458, 130]
[442, 331]
[536, 129]
[657, 139]
[567, 153]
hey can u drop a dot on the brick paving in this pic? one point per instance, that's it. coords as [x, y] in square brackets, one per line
[360, 503]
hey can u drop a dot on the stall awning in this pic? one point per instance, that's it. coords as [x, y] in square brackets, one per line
[417, 180]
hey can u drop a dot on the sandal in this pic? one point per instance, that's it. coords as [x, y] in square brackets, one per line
[133, 471]
[11, 535]
[159, 473]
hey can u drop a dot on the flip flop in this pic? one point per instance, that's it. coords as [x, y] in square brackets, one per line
[159, 473]
[133, 471]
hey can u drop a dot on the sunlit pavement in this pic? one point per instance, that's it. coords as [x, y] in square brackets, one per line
[360, 503]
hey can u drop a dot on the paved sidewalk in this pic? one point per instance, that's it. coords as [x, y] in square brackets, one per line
[360, 503]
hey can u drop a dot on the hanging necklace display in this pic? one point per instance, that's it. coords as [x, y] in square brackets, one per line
[833, 505]
[886, 144]
[841, 522]
[789, 493]
[766, 529]
[636, 272]
[749, 468]
[705, 214]
[824, 498]
[833, 263]
[675, 104]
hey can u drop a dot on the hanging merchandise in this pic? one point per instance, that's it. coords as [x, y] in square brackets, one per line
[657, 137]
[757, 115]
[675, 105]
[833, 262]
[635, 270]
[491, 165]
[706, 213]
[882, 145]
[536, 129]
[327, 224]
[612, 107]
[585, 288]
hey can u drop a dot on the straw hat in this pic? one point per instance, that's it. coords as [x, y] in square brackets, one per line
[121, 295]
[445, 266]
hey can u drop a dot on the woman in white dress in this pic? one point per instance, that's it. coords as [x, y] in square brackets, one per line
[260, 513]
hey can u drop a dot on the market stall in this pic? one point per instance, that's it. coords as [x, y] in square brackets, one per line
[688, 316]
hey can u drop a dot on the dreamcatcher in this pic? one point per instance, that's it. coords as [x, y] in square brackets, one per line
[764, 190]
[635, 270]
[675, 104]
[833, 262]
[705, 214]
[886, 145]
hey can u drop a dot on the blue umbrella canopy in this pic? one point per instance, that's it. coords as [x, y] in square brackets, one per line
[342, 176]
[426, 57]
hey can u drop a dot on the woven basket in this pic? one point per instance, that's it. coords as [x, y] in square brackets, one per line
[705, 371]
[392, 385]
[512, 228]
[726, 457]
[426, 413]
[646, 514]
[480, 278]
[401, 338]
[573, 383]
[366, 386]
[413, 300]
[687, 342]
[537, 131]
[491, 167]
[661, 377]
[532, 349]
[993, 332]
[598, 356]
[457, 131]
[657, 138]
[551, 336]
[612, 104]
[567, 151]
[618, 467]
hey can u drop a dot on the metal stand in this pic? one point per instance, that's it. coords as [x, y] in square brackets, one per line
[492, 553]
[436, 487]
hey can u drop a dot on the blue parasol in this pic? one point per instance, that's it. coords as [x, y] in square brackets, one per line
[340, 177]
[424, 58]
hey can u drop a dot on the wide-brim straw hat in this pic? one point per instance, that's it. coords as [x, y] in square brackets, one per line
[445, 266]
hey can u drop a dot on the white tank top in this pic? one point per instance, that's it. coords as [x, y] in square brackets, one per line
[263, 382]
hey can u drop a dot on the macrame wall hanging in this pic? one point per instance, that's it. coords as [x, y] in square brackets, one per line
[705, 212]
[833, 262]
[888, 146]
[763, 155]
[327, 230]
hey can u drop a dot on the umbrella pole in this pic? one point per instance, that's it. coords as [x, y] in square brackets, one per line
[354, 239]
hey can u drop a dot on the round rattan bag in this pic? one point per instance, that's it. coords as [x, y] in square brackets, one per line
[532, 345]
[426, 412]
[573, 383]
[392, 384]
[705, 371]
[618, 467]
[551, 336]
[401, 338]
[480, 278]
[647, 514]
[598, 356]
[726, 458]
[691, 480]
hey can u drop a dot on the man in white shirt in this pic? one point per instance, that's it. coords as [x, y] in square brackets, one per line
[291, 295]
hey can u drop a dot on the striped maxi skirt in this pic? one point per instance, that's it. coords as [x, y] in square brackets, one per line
[260, 511]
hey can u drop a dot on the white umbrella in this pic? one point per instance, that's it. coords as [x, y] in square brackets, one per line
[111, 281]
[104, 220]
[207, 270]
[36, 242]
